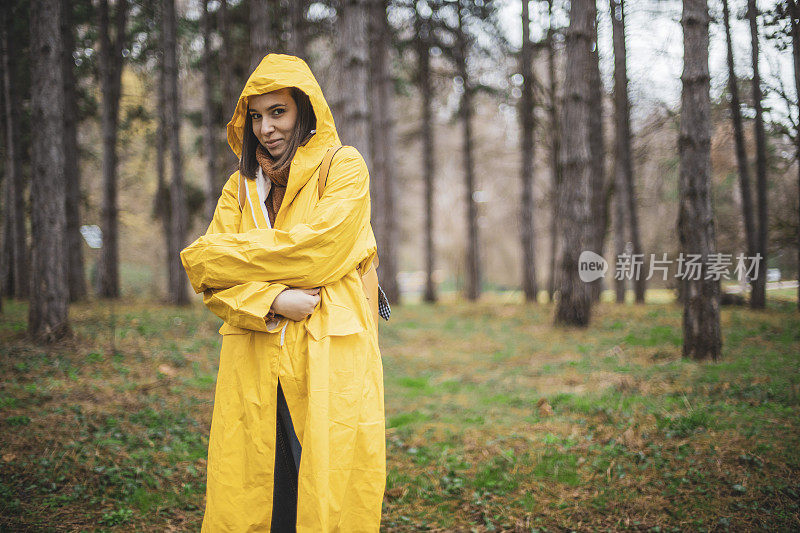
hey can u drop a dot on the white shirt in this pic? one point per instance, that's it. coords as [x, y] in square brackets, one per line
[263, 186]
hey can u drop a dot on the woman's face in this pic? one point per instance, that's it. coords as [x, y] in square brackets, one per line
[274, 116]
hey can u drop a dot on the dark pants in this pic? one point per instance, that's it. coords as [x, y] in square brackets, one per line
[287, 465]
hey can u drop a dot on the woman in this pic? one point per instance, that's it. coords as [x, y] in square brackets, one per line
[288, 252]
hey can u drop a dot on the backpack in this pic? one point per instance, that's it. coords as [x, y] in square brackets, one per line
[378, 303]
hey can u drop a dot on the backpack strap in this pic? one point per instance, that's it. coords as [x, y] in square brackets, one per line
[242, 191]
[324, 168]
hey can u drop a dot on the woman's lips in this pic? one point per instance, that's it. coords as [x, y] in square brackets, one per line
[274, 143]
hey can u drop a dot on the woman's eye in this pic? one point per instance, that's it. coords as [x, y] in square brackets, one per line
[277, 112]
[255, 116]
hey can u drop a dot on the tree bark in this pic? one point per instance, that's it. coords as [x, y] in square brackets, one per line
[555, 152]
[111, 84]
[352, 45]
[701, 320]
[423, 46]
[622, 148]
[262, 36]
[597, 183]
[794, 12]
[162, 201]
[229, 95]
[19, 280]
[738, 131]
[47, 317]
[526, 113]
[382, 176]
[72, 178]
[297, 35]
[213, 186]
[177, 234]
[473, 273]
[625, 185]
[228, 81]
[5, 237]
[758, 295]
[574, 302]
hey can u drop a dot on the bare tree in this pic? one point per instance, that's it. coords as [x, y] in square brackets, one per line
[298, 33]
[72, 177]
[352, 44]
[382, 141]
[701, 325]
[111, 62]
[15, 236]
[162, 200]
[758, 295]
[225, 60]
[263, 38]
[599, 193]
[473, 267]
[625, 194]
[47, 317]
[555, 149]
[177, 234]
[738, 131]
[209, 128]
[794, 14]
[526, 113]
[423, 32]
[574, 301]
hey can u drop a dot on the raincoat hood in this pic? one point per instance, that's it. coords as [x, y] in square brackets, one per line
[278, 71]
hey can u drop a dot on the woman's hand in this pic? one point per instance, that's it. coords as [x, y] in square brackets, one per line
[296, 304]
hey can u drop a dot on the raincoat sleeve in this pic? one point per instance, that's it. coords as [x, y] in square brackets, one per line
[316, 253]
[244, 305]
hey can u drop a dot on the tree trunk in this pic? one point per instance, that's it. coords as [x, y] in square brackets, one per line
[794, 11]
[110, 80]
[213, 187]
[297, 35]
[72, 178]
[47, 317]
[262, 36]
[738, 131]
[19, 279]
[228, 82]
[162, 201]
[597, 183]
[473, 272]
[758, 295]
[574, 301]
[382, 181]
[5, 239]
[623, 170]
[701, 322]
[555, 152]
[177, 234]
[424, 82]
[526, 112]
[229, 95]
[622, 147]
[352, 47]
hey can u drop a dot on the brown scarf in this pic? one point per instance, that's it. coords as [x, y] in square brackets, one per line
[279, 179]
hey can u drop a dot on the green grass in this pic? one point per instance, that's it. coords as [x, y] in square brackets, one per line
[496, 420]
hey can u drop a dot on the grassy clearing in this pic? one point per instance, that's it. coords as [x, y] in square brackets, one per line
[495, 421]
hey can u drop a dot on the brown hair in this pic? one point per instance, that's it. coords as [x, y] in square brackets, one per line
[306, 123]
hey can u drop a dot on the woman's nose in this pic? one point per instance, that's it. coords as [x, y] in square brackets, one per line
[266, 127]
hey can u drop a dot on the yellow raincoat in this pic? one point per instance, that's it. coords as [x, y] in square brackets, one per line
[329, 363]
